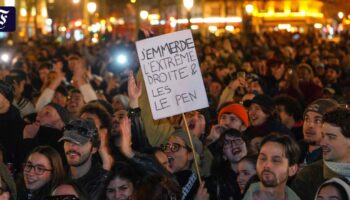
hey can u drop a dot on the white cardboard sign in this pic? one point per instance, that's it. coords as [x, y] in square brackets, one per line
[171, 73]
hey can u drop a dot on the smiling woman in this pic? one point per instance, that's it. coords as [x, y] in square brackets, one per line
[42, 170]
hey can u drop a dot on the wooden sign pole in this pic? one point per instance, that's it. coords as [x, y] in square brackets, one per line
[193, 149]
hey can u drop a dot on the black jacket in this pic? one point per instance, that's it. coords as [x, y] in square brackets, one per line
[308, 180]
[139, 139]
[183, 178]
[306, 157]
[223, 187]
[11, 126]
[95, 181]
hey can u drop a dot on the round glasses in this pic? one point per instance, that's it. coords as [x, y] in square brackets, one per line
[38, 169]
[237, 141]
[173, 147]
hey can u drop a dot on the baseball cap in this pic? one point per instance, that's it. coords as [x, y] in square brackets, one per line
[80, 132]
[321, 106]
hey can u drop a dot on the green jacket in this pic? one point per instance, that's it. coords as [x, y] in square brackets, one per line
[249, 195]
[310, 178]
[157, 131]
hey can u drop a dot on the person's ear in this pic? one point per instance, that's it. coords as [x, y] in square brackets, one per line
[94, 150]
[293, 170]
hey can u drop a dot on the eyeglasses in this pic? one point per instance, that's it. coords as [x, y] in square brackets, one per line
[38, 169]
[237, 141]
[62, 197]
[174, 147]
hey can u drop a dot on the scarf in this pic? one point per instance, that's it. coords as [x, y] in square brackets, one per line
[186, 189]
[342, 169]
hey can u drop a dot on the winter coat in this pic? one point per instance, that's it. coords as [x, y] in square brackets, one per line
[310, 178]
[11, 126]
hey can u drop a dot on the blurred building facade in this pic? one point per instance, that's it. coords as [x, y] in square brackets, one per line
[121, 18]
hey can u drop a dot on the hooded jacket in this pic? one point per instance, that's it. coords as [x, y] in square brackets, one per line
[338, 181]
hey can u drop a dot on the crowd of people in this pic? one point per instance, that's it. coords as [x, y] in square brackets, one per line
[77, 124]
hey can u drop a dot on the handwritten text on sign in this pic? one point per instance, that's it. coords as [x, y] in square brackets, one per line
[172, 75]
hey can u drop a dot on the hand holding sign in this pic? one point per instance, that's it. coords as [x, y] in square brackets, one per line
[171, 73]
[172, 76]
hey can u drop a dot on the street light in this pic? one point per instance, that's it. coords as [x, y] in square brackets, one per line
[188, 4]
[91, 7]
[143, 14]
[340, 15]
[249, 9]
[247, 19]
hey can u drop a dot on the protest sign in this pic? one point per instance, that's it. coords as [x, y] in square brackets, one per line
[171, 73]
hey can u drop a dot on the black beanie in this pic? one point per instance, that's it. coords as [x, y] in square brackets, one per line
[6, 90]
[62, 112]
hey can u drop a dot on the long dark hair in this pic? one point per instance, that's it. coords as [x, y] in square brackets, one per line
[157, 187]
[57, 173]
[125, 171]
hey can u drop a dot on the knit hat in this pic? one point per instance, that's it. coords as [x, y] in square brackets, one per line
[80, 131]
[62, 112]
[6, 90]
[308, 67]
[123, 99]
[8, 180]
[321, 106]
[184, 136]
[238, 110]
[264, 101]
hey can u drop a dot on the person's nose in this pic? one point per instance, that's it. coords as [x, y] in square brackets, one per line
[267, 165]
[118, 195]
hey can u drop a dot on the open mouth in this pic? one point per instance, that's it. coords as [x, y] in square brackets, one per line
[191, 124]
[325, 150]
[72, 154]
[30, 180]
[241, 184]
[236, 151]
[170, 159]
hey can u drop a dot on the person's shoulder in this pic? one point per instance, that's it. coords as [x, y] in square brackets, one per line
[315, 165]
[313, 168]
[291, 194]
[252, 188]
